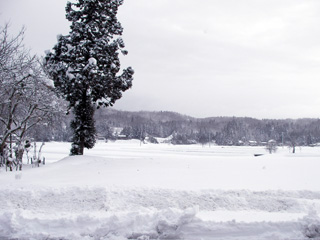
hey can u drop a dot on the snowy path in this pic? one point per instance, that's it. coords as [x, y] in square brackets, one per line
[124, 191]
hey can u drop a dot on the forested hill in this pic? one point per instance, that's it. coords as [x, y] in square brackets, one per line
[182, 129]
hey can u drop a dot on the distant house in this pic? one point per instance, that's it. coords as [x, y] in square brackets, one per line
[252, 143]
[116, 131]
[121, 136]
[100, 138]
[315, 145]
[272, 141]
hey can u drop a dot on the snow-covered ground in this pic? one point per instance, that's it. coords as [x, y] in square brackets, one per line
[124, 190]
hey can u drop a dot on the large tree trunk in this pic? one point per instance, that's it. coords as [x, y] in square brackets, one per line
[83, 127]
[81, 145]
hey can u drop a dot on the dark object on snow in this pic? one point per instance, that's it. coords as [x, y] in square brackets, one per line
[257, 154]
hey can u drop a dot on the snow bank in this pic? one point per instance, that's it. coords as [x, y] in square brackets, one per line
[168, 223]
[100, 213]
[127, 191]
[75, 199]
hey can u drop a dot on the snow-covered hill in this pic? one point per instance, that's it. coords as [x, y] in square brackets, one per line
[124, 190]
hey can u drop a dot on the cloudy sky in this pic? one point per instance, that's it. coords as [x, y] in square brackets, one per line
[255, 58]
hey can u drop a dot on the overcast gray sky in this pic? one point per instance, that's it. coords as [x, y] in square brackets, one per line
[255, 58]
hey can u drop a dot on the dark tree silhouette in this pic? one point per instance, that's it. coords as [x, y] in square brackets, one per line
[84, 65]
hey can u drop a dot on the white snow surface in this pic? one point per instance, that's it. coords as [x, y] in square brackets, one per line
[128, 190]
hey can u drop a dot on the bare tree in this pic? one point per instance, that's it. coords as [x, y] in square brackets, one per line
[26, 96]
[292, 139]
[271, 146]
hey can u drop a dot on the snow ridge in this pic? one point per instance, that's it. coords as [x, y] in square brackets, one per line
[100, 213]
[96, 199]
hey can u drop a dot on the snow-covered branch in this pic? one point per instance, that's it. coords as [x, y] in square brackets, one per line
[26, 97]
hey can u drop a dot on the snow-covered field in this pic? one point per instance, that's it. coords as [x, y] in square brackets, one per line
[124, 190]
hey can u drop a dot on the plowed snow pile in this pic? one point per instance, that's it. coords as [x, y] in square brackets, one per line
[122, 190]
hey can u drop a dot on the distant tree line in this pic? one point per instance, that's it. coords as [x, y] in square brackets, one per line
[180, 129]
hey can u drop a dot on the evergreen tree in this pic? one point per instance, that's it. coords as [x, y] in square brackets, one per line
[85, 64]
